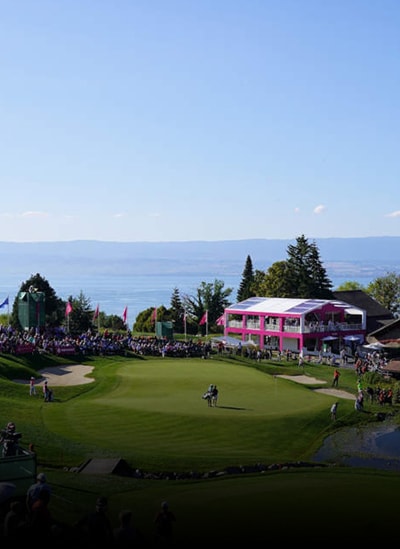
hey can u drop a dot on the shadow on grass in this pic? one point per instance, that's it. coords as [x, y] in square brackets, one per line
[231, 408]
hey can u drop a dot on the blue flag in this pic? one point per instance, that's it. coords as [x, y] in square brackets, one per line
[5, 302]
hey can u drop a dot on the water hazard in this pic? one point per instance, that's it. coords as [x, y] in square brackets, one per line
[374, 445]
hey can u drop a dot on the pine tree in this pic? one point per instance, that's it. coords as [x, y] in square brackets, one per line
[177, 311]
[306, 276]
[245, 289]
[320, 284]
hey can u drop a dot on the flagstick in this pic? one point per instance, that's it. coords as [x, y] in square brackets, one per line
[184, 324]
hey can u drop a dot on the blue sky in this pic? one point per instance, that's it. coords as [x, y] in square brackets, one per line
[168, 120]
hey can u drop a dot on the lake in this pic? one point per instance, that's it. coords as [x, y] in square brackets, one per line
[114, 292]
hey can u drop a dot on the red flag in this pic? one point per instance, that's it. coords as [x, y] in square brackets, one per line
[96, 313]
[221, 320]
[68, 309]
[154, 315]
[125, 314]
[204, 319]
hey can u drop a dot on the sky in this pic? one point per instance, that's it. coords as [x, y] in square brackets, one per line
[185, 120]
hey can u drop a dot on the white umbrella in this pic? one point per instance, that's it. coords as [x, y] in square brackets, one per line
[353, 338]
[374, 346]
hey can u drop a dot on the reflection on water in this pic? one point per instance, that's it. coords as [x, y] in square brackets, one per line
[374, 445]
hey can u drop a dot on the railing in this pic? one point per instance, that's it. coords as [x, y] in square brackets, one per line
[19, 470]
[292, 329]
[253, 324]
[235, 324]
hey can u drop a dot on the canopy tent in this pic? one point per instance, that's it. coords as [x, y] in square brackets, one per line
[229, 341]
[353, 338]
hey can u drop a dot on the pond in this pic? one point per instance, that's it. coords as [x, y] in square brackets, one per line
[375, 445]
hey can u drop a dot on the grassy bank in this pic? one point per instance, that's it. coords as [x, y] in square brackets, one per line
[149, 412]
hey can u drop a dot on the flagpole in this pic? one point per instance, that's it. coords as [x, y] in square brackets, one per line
[153, 318]
[207, 323]
[8, 310]
[184, 323]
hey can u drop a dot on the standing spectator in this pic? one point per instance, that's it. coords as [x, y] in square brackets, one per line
[35, 489]
[94, 529]
[15, 525]
[32, 388]
[45, 391]
[163, 521]
[334, 411]
[41, 521]
[336, 375]
[126, 535]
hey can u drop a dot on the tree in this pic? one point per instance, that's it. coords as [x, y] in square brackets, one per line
[245, 289]
[211, 297]
[54, 307]
[350, 285]
[112, 322]
[320, 285]
[273, 283]
[145, 321]
[177, 311]
[80, 319]
[386, 290]
[301, 275]
[305, 273]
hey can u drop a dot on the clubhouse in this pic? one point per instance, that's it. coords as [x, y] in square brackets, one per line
[297, 325]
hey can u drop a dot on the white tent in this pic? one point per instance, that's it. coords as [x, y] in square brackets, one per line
[229, 341]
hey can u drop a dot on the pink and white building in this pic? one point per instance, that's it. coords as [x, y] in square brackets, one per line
[296, 324]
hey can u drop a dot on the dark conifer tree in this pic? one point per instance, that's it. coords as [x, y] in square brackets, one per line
[177, 311]
[320, 284]
[246, 285]
[306, 276]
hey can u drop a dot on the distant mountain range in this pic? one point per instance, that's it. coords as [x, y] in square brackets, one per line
[353, 258]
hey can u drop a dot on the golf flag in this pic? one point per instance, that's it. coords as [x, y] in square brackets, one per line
[125, 314]
[68, 309]
[154, 315]
[5, 302]
[204, 319]
[221, 320]
[96, 313]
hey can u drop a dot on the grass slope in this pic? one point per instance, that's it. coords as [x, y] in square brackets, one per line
[150, 412]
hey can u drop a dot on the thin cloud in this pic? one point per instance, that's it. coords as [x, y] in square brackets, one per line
[34, 214]
[119, 215]
[393, 214]
[296, 210]
[319, 209]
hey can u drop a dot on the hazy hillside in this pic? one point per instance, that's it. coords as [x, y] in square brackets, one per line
[372, 256]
